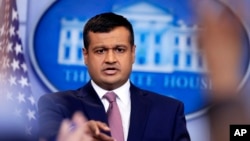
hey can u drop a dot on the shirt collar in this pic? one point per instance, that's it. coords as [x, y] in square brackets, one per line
[123, 92]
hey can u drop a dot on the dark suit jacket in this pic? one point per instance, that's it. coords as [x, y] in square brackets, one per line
[153, 117]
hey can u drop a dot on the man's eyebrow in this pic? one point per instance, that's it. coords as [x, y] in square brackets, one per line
[105, 47]
[120, 45]
[99, 46]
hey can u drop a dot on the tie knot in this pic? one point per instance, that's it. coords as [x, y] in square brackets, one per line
[110, 96]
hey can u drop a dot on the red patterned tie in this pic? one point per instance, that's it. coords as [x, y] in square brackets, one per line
[114, 117]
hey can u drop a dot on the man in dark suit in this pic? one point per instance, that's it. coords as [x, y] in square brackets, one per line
[109, 53]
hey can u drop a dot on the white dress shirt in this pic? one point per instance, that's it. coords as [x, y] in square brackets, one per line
[123, 101]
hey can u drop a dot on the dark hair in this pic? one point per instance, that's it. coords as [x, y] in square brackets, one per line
[106, 22]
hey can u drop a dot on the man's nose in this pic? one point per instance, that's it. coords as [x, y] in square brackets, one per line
[110, 57]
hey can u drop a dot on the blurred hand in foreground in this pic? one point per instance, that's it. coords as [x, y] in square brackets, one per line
[220, 40]
[80, 129]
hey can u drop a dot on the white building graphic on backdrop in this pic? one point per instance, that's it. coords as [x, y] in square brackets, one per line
[161, 45]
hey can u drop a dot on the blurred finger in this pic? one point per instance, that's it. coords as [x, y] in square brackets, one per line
[64, 129]
[97, 126]
[104, 137]
[79, 118]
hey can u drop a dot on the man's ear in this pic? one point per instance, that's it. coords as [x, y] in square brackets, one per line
[85, 55]
[133, 53]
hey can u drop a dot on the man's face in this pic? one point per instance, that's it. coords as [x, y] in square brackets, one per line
[109, 57]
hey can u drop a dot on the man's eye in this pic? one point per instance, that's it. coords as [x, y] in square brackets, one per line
[120, 50]
[100, 51]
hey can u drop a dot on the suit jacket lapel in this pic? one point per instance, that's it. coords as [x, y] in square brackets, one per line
[140, 107]
[92, 105]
